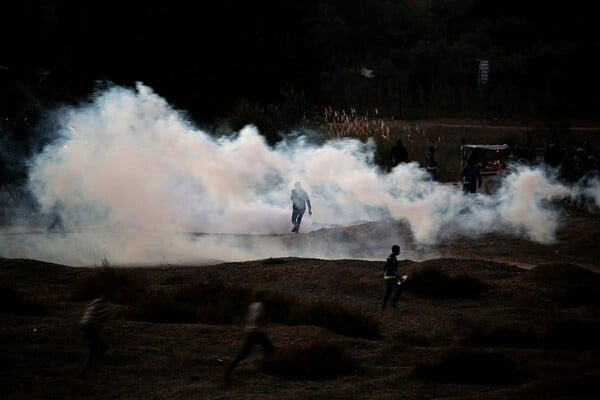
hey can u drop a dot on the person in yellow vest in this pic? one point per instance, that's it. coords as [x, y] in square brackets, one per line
[391, 277]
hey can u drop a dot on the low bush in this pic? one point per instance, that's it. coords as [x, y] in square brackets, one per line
[470, 367]
[119, 285]
[317, 360]
[210, 302]
[410, 339]
[162, 307]
[347, 321]
[214, 302]
[13, 303]
[274, 261]
[578, 296]
[573, 334]
[431, 282]
[282, 308]
[338, 318]
[503, 337]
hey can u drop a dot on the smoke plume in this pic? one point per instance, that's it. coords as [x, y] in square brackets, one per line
[138, 183]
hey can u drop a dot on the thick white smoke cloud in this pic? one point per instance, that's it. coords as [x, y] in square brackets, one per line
[135, 178]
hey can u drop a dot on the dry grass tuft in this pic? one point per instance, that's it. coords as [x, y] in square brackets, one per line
[120, 285]
[338, 318]
[474, 367]
[431, 282]
[13, 303]
[318, 360]
[503, 337]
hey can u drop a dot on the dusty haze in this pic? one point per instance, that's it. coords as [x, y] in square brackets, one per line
[136, 178]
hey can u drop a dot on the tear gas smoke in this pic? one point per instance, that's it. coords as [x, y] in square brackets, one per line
[136, 178]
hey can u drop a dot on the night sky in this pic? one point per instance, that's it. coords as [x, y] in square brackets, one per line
[206, 56]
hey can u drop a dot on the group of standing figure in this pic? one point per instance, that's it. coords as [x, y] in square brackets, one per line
[399, 155]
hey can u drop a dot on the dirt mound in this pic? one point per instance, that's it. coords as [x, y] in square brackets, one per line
[562, 274]
[482, 269]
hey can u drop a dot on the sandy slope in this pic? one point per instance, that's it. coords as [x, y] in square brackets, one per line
[40, 355]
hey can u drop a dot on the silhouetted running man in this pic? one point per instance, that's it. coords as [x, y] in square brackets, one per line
[92, 323]
[255, 320]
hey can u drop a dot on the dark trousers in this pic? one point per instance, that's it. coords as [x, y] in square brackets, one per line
[96, 346]
[390, 286]
[252, 338]
[469, 187]
[56, 222]
[297, 214]
[432, 173]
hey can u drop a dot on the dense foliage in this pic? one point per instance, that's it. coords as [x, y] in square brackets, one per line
[272, 62]
[206, 56]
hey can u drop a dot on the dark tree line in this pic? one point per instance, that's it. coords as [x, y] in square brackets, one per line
[276, 60]
[206, 56]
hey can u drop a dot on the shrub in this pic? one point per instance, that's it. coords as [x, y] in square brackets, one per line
[431, 282]
[229, 307]
[282, 308]
[470, 367]
[318, 360]
[162, 306]
[122, 286]
[503, 337]
[340, 319]
[573, 334]
[578, 296]
[12, 302]
[411, 339]
[211, 302]
[274, 261]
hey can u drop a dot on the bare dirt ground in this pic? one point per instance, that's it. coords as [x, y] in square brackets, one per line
[533, 288]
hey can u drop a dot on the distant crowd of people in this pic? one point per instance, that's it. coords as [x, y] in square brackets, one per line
[399, 155]
[574, 164]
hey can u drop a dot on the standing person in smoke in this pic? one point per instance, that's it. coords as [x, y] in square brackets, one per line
[472, 177]
[92, 322]
[57, 220]
[430, 163]
[392, 279]
[398, 154]
[255, 320]
[299, 202]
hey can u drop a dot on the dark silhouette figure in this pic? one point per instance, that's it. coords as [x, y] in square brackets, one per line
[579, 164]
[57, 220]
[255, 320]
[391, 278]
[299, 202]
[430, 163]
[472, 177]
[464, 153]
[92, 322]
[553, 155]
[398, 154]
[566, 170]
